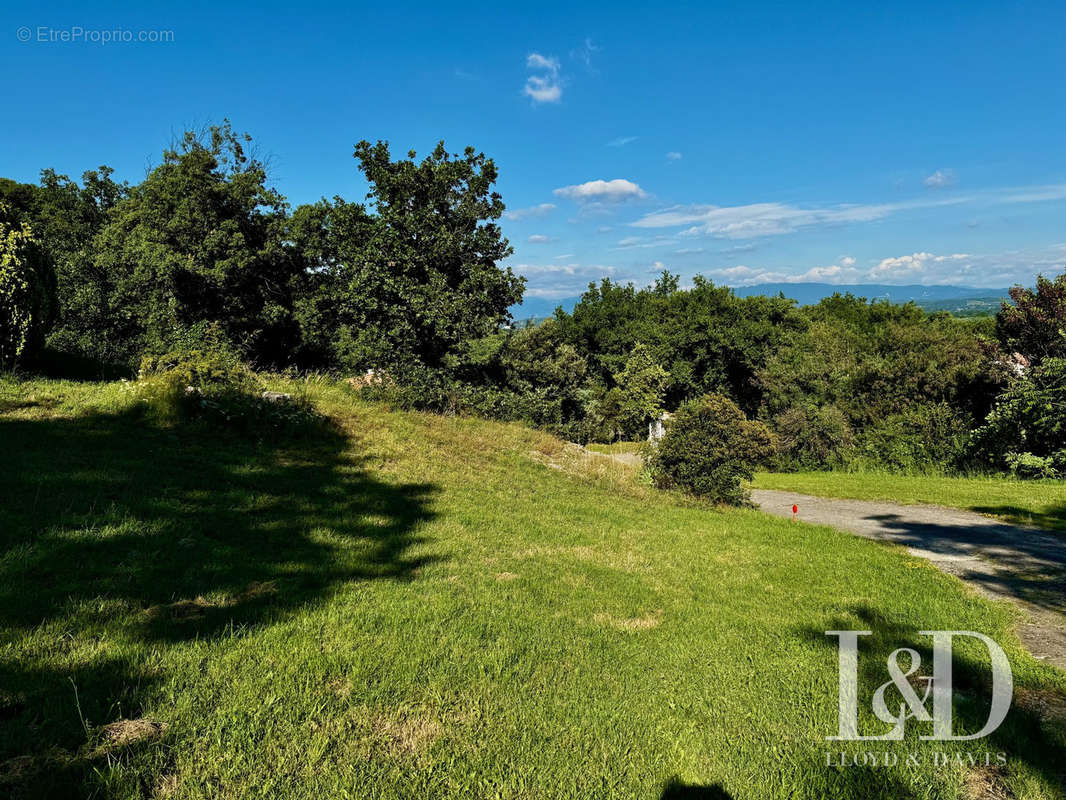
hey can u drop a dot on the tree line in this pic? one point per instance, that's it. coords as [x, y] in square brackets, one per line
[101, 275]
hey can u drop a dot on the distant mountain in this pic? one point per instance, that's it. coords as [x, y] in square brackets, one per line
[539, 308]
[957, 299]
[925, 296]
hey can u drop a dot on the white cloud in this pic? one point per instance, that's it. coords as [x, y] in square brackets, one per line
[539, 238]
[673, 155]
[537, 61]
[545, 86]
[541, 210]
[743, 275]
[604, 229]
[940, 179]
[915, 264]
[771, 219]
[564, 255]
[563, 280]
[621, 141]
[613, 191]
[630, 242]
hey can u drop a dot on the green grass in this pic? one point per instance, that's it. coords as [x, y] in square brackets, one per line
[1039, 503]
[416, 606]
[615, 447]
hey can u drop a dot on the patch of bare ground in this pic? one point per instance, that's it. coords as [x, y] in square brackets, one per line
[198, 607]
[505, 576]
[1041, 703]
[986, 783]
[126, 732]
[406, 735]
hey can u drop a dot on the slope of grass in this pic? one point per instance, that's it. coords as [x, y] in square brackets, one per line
[1039, 503]
[412, 606]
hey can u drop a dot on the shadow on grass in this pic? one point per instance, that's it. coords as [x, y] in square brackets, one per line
[1024, 737]
[676, 790]
[113, 529]
[1051, 519]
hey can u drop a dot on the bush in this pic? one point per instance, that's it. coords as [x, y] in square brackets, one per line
[1027, 466]
[708, 449]
[27, 292]
[213, 386]
[811, 438]
[1029, 418]
[926, 438]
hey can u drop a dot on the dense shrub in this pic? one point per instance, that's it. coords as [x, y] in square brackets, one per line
[709, 448]
[1028, 420]
[27, 291]
[924, 438]
[212, 386]
[811, 437]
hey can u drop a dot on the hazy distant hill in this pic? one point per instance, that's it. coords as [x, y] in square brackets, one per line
[957, 299]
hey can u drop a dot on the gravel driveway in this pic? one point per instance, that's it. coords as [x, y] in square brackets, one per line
[1024, 566]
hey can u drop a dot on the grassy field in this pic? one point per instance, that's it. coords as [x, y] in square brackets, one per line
[415, 606]
[1040, 503]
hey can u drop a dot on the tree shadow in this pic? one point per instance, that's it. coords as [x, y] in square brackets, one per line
[1029, 567]
[1025, 735]
[113, 528]
[675, 789]
[1051, 519]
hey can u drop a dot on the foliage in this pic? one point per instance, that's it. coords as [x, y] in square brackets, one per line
[710, 447]
[706, 338]
[1030, 418]
[642, 384]
[27, 291]
[213, 386]
[874, 360]
[1035, 325]
[811, 437]
[200, 241]
[412, 278]
[931, 437]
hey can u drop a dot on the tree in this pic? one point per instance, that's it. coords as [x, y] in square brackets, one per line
[200, 242]
[709, 448]
[27, 291]
[1029, 420]
[643, 385]
[408, 279]
[1035, 325]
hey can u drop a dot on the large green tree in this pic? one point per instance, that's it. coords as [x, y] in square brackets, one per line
[1035, 324]
[410, 277]
[201, 242]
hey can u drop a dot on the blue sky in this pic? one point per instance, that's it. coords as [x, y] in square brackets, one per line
[750, 142]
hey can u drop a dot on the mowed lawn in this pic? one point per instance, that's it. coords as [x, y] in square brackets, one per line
[1040, 503]
[415, 606]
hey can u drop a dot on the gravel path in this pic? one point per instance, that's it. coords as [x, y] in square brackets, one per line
[1022, 565]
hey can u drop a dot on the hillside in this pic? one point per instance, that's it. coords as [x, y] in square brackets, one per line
[419, 606]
